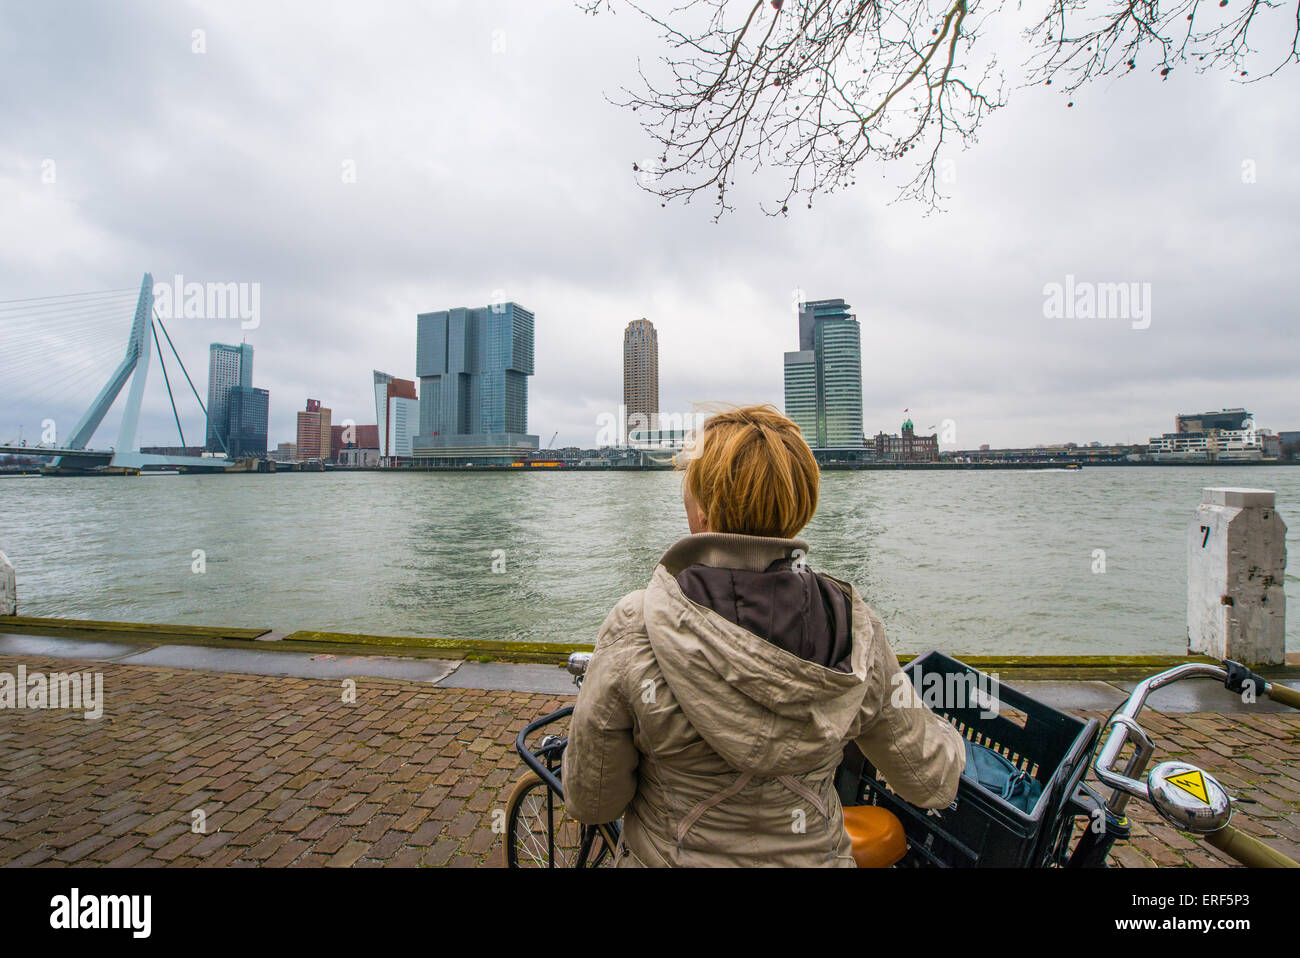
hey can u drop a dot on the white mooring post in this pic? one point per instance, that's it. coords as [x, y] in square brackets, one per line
[1236, 566]
[8, 587]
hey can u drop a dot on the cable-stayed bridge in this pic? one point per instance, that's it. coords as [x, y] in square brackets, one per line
[76, 454]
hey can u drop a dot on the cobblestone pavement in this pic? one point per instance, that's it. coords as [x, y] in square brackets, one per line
[285, 772]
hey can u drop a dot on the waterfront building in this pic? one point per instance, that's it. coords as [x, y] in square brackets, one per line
[1225, 435]
[285, 452]
[641, 375]
[359, 458]
[1218, 445]
[314, 431]
[801, 392]
[247, 421]
[1067, 453]
[1289, 441]
[353, 438]
[473, 366]
[907, 447]
[228, 367]
[673, 440]
[1207, 422]
[823, 378]
[397, 414]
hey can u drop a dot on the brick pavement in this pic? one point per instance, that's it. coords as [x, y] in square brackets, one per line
[287, 773]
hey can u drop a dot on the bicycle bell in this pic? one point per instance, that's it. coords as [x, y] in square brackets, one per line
[1188, 797]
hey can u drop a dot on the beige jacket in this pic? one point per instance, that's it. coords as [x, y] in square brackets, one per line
[718, 747]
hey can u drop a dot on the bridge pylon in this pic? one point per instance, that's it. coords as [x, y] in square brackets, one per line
[134, 366]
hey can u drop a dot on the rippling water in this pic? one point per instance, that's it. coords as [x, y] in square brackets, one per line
[969, 562]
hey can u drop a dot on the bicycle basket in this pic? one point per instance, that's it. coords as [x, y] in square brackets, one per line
[980, 828]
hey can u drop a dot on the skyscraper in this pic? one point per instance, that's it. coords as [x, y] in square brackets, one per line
[823, 378]
[228, 367]
[249, 413]
[314, 431]
[397, 414]
[641, 375]
[474, 366]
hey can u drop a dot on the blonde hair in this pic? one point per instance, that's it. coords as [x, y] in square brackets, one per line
[751, 472]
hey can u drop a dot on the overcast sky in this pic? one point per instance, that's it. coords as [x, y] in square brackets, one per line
[487, 158]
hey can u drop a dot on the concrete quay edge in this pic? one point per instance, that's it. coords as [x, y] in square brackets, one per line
[1054, 667]
[1071, 682]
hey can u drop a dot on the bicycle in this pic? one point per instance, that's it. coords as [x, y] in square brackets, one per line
[538, 834]
[978, 828]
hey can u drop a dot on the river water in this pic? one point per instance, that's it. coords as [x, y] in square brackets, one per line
[987, 562]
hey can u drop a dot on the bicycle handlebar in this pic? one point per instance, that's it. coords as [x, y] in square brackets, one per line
[1234, 676]
[1124, 784]
[1250, 851]
[530, 759]
[1285, 695]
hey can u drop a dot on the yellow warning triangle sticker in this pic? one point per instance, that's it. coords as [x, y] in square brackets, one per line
[1192, 782]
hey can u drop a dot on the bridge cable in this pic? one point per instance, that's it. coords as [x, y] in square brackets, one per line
[179, 360]
[166, 334]
[162, 361]
[106, 293]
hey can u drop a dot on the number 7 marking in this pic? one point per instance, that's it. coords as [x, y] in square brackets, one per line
[1206, 537]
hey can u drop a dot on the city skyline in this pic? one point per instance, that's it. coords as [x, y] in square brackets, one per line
[953, 309]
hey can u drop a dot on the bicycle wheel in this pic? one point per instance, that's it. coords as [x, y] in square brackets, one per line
[539, 833]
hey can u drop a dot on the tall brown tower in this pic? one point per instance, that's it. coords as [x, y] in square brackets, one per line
[641, 375]
[314, 431]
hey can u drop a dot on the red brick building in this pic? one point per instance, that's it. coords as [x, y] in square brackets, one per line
[352, 437]
[314, 431]
[909, 447]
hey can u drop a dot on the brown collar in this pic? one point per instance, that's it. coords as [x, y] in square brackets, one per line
[728, 550]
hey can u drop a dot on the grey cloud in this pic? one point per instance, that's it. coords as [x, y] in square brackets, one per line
[479, 171]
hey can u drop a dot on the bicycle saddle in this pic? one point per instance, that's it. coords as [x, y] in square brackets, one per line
[877, 835]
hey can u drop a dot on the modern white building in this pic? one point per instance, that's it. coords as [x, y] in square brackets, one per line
[671, 439]
[1218, 445]
[397, 414]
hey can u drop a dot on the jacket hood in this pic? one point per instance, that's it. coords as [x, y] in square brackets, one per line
[762, 708]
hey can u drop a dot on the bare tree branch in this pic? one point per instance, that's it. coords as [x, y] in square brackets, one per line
[818, 87]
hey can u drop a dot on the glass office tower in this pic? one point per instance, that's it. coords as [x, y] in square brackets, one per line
[249, 413]
[823, 378]
[228, 367]
[474, 366]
